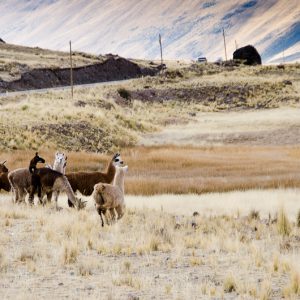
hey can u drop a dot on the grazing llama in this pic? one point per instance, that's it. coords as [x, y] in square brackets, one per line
[53, 181]
[4, 183]
[47, 181]
[20, 180]
[84, 181]
[111, 196]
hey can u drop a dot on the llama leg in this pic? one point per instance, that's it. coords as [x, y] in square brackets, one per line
[41, 197]
[70, 203]
[120, 210]
[49, 197]
[100, 214]
[112, 214]
[31, 195]
[56, 194]
[20, 196]
[15, 195]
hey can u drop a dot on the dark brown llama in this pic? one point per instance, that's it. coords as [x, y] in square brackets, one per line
[52, 181]
[84, 182]
[4, 183]
[35, 179]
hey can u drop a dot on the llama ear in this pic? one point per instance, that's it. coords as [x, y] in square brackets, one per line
[3, 162]
[56, 153]
[36, 154]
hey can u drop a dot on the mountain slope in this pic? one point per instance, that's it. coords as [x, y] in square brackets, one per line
[130, 28]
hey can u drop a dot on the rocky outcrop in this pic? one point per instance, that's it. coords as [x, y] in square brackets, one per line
[1, 41]
[248, 54]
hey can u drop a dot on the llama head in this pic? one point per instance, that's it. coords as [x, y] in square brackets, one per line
[3, 168]
[117, 160]
[60, 162]
[38, 159]
[80, 204]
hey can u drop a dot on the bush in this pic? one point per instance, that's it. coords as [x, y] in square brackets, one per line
[283, 224]
[298, 219]
[124, 93]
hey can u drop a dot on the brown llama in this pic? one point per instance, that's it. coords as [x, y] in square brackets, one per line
[111, 196]
[4, 183]
[35, 179]
[53, 181]
[84, 181]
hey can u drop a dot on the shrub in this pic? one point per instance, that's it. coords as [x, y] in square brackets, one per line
[298, 219]
[229, 284]
[124, 93]
[283, 224]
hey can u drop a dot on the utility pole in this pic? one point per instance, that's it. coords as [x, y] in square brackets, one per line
[225, 45]
[236, 45]
[160, 45]
[71, 70]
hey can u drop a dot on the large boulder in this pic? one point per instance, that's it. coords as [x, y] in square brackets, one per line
[248, 54]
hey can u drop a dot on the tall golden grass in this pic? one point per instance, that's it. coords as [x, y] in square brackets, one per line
[182, 170]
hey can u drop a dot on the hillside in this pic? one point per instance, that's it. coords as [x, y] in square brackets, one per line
[24, 68]
[130, 28]
[103, 118]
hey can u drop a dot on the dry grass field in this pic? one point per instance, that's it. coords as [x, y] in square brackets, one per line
[188, 169]
[106, 118]
[148, 254]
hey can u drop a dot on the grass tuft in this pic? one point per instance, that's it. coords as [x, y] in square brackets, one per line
[283, 224]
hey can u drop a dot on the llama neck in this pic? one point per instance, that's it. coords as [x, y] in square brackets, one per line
[119, 180]
[59, 167]
[110, 172]
[68, 190]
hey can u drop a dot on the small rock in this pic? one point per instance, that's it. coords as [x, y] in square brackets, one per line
[133, 297]
[287, 82]
[60, 283]
[177, 226]
[195, 214]
[72, 273]
[80, 103]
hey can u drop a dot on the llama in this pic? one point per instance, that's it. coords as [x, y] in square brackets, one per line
[3, 168]
[35, 179]
[111, 196]
[20, 179]
[59, 165]
[84, 181]
[4, 183]
[53, 181]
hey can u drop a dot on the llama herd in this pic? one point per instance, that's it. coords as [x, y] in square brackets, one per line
[106, 188]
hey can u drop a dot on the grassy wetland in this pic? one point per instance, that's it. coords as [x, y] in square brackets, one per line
[222, 141]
